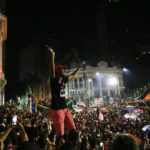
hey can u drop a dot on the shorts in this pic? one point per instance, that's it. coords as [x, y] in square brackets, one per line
[61, 119]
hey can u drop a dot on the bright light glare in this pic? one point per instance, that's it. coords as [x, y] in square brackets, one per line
[113, 81]
[90, 80]
[125, 69]
[97, 73]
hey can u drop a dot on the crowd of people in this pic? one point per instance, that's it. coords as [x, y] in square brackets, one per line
[36, 130]
[114, 123]
[103, 127]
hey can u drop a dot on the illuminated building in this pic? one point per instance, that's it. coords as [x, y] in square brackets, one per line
[3, 37]
[96, 82]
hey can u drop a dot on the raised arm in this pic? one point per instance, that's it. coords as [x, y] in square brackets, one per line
[24, 136]
[52, 61]
[74, 73]
[3, 138]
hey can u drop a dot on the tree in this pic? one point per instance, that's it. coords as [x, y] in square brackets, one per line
[28, 84]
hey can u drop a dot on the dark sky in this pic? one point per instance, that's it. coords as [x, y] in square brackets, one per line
[73, 24]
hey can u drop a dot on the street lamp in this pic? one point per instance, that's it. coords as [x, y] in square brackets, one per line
[125, 70]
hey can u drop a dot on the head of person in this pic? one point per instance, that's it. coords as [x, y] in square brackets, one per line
[2, 129]
[42, 141]
[73, 137]
[59, 70]
[1, 120]
[67, 146]
[93, 142]
[124, 142]
[29, 146]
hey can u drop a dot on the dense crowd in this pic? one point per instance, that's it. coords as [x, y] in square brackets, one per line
[36, 131]
[113, 124]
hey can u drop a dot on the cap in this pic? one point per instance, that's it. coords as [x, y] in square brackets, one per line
[59, 67]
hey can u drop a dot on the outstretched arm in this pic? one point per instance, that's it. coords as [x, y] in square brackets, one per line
[74, 73]
[3, 138]
[52, 61]
[23, 133]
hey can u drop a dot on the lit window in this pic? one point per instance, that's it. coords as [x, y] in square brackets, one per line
[144, 53]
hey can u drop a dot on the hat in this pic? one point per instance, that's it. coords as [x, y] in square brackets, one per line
[59, 67]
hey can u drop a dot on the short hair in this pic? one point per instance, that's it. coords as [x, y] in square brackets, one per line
[124, 142]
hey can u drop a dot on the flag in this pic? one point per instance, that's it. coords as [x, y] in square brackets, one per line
[100, 117]
[69, 103]
[41, 107]
[34, 108]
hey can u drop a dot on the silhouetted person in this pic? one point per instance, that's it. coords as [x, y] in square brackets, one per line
[59, 112]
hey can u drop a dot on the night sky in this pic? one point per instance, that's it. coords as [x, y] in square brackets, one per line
[72, 24]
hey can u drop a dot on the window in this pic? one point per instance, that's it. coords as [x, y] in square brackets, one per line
[105, 92]
[72, 95]
[75, 83]
[71, 84]
[95, 83]
[144, 53]
[81, 83]
[85, 83]
[96, 94]
[112, 92]
[104, 81]
[82, 96]
[76, 96]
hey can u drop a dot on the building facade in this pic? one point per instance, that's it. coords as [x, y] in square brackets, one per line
[3, 37]
[42, 91]
[34, 67]
[96, 82]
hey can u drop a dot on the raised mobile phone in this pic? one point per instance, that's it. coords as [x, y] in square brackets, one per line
[101, 144]
[14, 120]
[80, 132]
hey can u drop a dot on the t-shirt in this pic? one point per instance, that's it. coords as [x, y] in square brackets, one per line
[58, 93]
